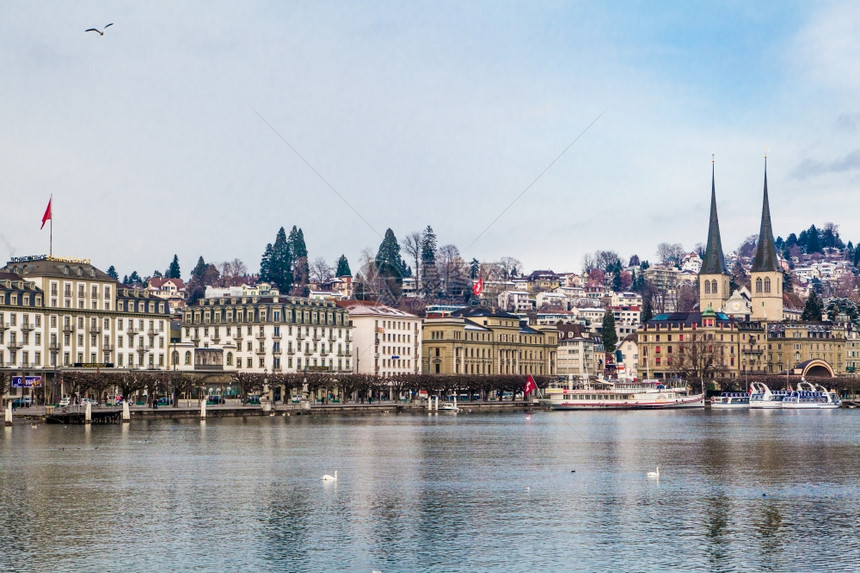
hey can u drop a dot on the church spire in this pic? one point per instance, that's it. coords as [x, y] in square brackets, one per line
[765, 256]
[714, 262]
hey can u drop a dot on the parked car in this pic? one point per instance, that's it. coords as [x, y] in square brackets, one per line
[90, 400]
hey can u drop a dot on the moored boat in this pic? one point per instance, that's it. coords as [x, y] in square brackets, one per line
[731, 400]
[809, 396]
[762, 397]
[621, 395]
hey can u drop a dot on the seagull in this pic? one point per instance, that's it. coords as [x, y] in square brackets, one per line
[97, 30]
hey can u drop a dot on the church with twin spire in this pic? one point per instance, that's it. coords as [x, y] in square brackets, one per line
[766, 288]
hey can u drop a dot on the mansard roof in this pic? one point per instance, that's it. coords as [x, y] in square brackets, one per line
[765, 255]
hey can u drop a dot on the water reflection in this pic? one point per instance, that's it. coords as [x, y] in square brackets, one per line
[552, 491]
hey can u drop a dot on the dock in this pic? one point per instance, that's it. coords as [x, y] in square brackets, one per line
[76, 415]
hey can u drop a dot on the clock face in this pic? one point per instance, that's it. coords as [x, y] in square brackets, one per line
[736, 305]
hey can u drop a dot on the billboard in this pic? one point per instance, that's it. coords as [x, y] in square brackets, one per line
[26, 381]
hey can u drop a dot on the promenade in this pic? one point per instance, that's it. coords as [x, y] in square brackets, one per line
[233, 408]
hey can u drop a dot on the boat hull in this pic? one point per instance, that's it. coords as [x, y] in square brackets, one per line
[574, 404]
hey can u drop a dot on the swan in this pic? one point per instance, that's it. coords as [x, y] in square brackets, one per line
[327, 477]
[654, 474]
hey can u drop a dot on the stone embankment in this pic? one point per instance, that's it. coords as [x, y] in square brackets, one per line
[191, 409]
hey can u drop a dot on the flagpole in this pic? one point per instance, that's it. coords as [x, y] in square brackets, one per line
[51, 230]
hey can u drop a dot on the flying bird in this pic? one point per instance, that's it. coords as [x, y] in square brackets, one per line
[97, 30]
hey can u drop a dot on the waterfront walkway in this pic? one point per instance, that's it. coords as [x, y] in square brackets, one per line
[191, 409]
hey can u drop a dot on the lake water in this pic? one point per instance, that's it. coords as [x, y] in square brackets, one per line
[549, 491]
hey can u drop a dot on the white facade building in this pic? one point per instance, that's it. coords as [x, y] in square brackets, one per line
[387, 340]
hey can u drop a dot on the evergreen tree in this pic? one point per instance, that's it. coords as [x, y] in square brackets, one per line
[343, 267]
[301, 267]
[280, 267]
[173, 269]
[389, 265]
[610, 337]
[134, 279]
[813, 308]
[430, 274]
[474, 269]
[787, 283]
[647, 311]
[111, 272]
[264, 265]
[156, 274]
[125, 279]
[813, 241]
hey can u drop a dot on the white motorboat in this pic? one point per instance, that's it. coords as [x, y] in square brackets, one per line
[761, 397]
[810, 396]
[731, 400]
[621, 395]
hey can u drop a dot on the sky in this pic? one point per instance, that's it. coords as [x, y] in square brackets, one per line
[535, 130]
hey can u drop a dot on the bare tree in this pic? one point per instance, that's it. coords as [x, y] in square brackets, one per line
[747, 247]
[589, 262]
[320, 271]
[446, 260]
[411, 244]
[511, 267]
[670, 253]
[700, 358]
[233, 273]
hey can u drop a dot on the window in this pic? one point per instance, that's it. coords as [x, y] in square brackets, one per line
[767, 284]
[758, 284]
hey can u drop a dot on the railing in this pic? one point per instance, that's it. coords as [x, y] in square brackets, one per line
[27, 327]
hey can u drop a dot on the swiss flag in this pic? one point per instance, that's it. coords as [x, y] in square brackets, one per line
[530, 386]
[47, 214]
[478, 287]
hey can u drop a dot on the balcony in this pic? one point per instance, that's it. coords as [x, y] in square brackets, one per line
[143, 349]
[54, 347]
[14, 345]
[27, 327]
[261, 336]
[276, 351]
[95, 330]
[216, 339]
[276, 336]
[4, 326]
[195, 340]
[68, 328]
[107, 347]
[261, 351]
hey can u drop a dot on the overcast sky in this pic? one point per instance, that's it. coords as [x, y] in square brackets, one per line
[155, 138]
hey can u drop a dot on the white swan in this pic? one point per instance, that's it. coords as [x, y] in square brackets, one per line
[654, 474]
[327, 477]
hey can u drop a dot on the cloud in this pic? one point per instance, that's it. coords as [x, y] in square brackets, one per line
[814, 168]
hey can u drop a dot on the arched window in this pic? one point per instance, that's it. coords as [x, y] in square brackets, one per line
[175, 357]
[767, 284]
[707, 287]
[229, 359]
[714, 286]
[187, 357]
[758, 285]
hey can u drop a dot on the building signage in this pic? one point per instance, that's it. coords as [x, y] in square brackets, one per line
[35, 258]
[93, 364]
[26, 381]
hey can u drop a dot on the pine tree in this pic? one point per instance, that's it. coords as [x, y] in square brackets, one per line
[389, 265]
[343, 267]
[280, 267]
[299, 252]
[813, 308]
[430, 274]
[111, 272]
[173, 270]
[265, 261]
[474, 269]
[647, 311]
[610, 337]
